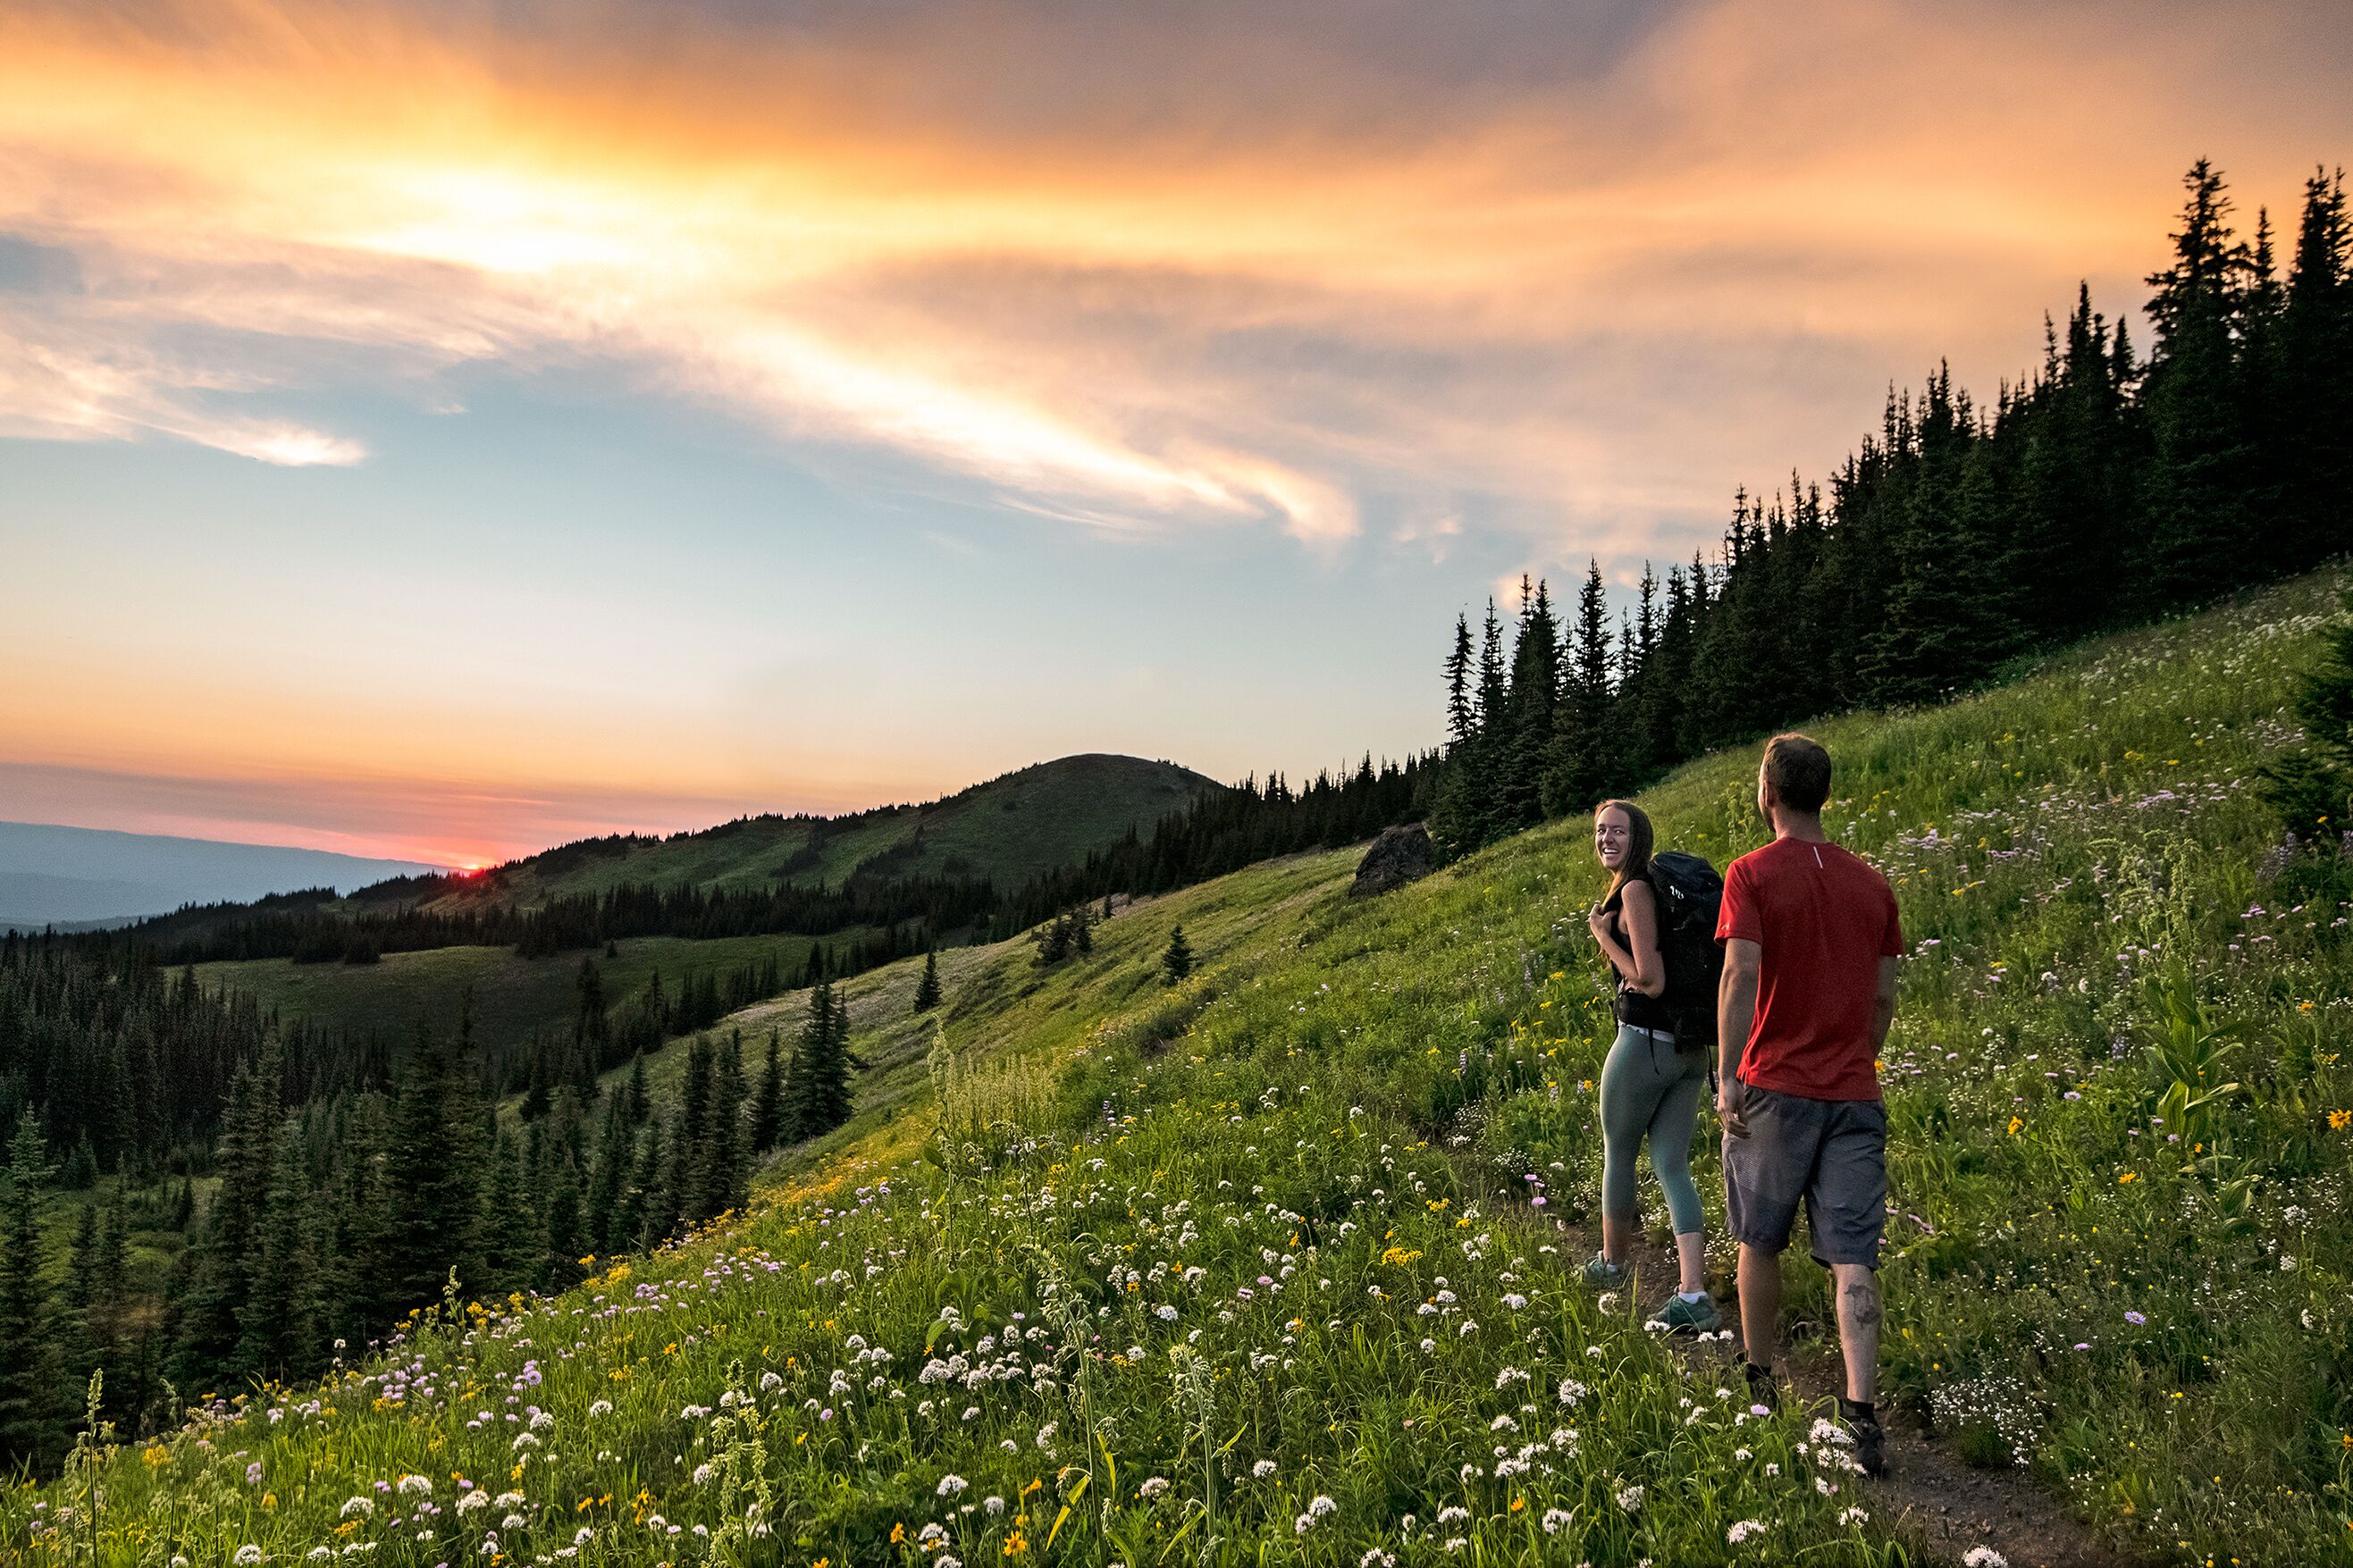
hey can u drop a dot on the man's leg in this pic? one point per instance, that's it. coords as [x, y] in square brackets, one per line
[1858, 1321]
[1760, 1303]
[1764, 1176]
[1848, 1204]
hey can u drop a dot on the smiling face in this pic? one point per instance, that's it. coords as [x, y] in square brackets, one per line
[1611, 834]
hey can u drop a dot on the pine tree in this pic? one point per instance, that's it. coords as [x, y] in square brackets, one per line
[514, 1238]
[2315, 453]
[222, 1266]
[356, 1294]
[82, 1166]
[768, 1105]
[692, 1154]
[1054, 942]
[109, 1274]
[606, 1179]
[818, 1093]
[2199, 538]
[1461, 818]
[1534, 695]
[927, 989]
[652, 1200]
[566, 1224]
[1582, 744]
[28, 1362]
[77, 1347]
[1461, 710]
[635, 1102]
[1177, 959]
[277, 1321]
[433, 1168]
[81, 1262]
[589, 1023]
[729, 1180]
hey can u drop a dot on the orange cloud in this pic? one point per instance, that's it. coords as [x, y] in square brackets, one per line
[840, 236]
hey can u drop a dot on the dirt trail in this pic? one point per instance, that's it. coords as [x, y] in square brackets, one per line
[1929, 1494]
[1929, 1497]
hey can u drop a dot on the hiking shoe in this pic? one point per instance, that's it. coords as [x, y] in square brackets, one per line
[1763, 1387]
[1601, 1274]
[1869, 1442]
[1682, 1316]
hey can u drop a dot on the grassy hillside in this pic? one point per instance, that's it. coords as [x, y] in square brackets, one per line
[1008, 829]
[512, 995]
[1255, 1270]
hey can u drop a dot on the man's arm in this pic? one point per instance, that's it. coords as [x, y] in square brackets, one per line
[1882, 1010]
[1736, 1014]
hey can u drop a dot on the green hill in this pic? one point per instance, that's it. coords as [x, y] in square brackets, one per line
[1008, 829]
[1250, 1270]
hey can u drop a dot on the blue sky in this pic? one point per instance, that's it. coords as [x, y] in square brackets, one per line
[441, 431]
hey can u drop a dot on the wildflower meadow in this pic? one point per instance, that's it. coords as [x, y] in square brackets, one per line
[1275, 1265]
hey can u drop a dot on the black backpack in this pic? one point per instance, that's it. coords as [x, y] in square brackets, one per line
[1690, 895]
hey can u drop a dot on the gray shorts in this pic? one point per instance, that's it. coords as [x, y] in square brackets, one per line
[1830, 1152]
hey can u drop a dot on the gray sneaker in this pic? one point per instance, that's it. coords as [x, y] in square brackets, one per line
[1600, 1274]
[1682, 1316]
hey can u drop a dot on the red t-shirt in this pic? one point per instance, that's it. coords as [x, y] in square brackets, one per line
[1824, 919]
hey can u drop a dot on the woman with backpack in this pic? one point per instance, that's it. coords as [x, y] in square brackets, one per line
[1650, 1085]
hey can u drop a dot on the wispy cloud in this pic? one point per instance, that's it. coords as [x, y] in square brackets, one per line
[1542, 259]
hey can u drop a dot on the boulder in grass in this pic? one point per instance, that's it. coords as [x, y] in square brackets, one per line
[1399, 856]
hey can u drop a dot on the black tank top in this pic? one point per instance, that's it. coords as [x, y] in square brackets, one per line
[1633, 1007]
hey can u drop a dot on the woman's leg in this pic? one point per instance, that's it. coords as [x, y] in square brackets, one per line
[1671, 1122]
[1630, 1100]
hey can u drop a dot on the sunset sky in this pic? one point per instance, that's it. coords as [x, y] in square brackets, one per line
[440, 430]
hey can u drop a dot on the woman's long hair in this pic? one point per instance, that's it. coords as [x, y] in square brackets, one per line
[1637, 843]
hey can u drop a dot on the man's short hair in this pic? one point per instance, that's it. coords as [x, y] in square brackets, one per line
[1798, 771]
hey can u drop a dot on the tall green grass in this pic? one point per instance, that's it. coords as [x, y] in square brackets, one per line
[1277, 1266]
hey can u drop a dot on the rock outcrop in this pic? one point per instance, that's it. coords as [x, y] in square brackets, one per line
[1397, 856]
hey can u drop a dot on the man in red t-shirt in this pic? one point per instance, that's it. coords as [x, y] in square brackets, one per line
[1810, 943]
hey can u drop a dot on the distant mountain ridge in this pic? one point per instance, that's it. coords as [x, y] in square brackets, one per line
[83, 877]
[1008, 829]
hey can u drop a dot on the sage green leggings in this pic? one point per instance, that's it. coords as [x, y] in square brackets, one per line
[1648, 1087]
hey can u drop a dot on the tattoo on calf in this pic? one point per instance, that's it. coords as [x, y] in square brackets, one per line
[1861, 1301]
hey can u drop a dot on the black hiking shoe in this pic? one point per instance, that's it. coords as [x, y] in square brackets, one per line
[1763, 1388]
[1861, 1424]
